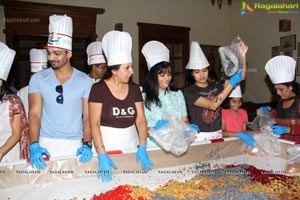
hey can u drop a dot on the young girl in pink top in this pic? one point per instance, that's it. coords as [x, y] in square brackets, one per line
[234, 119]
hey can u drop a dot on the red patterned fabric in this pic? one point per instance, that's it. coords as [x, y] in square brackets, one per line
[16, 107]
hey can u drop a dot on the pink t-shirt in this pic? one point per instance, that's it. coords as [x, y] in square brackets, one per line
[234, 122]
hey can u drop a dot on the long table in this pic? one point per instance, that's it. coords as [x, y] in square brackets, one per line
[66, 178]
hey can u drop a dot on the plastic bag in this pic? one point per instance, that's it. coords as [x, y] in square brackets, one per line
[175, 136]
[231, 58]
[263, 119]
[293, 163]
[267, 143]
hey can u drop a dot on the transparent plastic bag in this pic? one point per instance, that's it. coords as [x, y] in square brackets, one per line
[189, 135]
[267, 143]
[262, 119]
[175, 136]
[231, 57]
[293, 163]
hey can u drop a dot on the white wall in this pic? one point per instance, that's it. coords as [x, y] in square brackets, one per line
[260, 31]
[209, 25]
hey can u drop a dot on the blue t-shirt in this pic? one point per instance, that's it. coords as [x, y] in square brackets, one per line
[172, 103]
[62, 121]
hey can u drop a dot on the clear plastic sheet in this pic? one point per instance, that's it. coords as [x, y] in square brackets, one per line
[266, 141]
[84, 183]
[231, 58]
[174, 137]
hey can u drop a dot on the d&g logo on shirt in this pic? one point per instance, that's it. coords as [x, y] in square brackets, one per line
[123, 112]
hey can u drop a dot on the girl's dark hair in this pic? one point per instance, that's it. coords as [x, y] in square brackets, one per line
[225, 104]
[4, 90]
[294, 85]
[151, 87]
[190, 78]
[109, 69]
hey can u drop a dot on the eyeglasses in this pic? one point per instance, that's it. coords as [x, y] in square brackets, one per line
[60, 97]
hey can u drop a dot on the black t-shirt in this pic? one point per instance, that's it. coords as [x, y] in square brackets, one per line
[115, 112]
[207, 120]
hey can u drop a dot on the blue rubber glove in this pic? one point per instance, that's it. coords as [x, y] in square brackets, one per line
[247, 138]
[194, 127]
[279, 130]
[141, 155]
[160, 123]
[104, 168]
[86, 153]
[36, 155]
[265, 108]
[236, 78]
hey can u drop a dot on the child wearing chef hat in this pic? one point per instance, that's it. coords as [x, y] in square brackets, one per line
[14, 128]
[235, 118]
[281, 71]
[116, 107]
[204, 98]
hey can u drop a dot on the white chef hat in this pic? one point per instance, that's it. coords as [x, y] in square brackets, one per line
[60, 32]
[236, 92]
[94, 53]
[38, 59]
[281, 69]
[197, 58]
[155, 52]
[7, 56]
[117, 47]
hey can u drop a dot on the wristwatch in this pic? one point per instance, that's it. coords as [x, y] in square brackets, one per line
[87, 143]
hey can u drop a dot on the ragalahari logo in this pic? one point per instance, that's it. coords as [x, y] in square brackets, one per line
[246, 8]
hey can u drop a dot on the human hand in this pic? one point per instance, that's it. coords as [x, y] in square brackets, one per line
[104, 167]
[236, 78]
[141, 155]
[36, 155]
[194, 127]
[247, 138]
[265, 108]
[279, 130]
[160, 123]
[86, 153]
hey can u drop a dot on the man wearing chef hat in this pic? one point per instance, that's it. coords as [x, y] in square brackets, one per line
[116, 104]
[58, 99]
[281, 71]
[96, 61]
[38, 61]
[204, 98]
[14, 128]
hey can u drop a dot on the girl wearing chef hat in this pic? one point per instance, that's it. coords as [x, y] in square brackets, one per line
[14, 128]
[204, 98]
[159, 96]
[281, 71]
[116, 109]
[235, 119]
